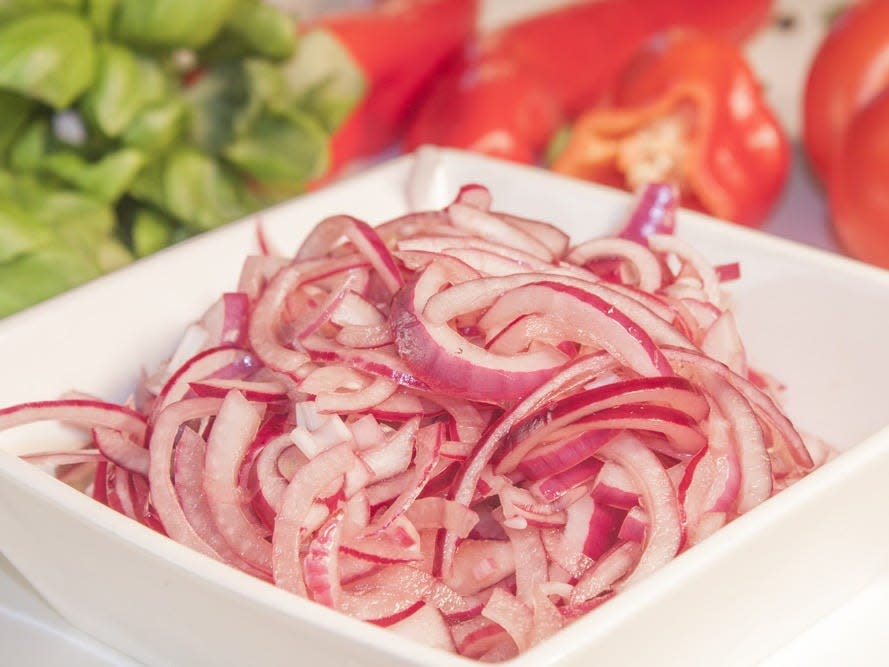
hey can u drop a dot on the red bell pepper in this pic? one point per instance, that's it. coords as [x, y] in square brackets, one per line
[400, 46]
[850, 69]
[495, 99]
[688, 110]
[846, 128]
[859, 187]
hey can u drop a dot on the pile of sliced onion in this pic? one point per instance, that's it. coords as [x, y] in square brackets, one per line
[454, 424]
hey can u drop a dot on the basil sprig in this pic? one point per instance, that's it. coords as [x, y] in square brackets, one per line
[127, 125]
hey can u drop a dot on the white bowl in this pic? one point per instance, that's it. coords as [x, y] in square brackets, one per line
[816, 321]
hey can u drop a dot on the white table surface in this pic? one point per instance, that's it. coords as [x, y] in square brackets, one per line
[857, 633]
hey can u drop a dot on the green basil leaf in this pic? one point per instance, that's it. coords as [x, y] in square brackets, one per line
[115, 97]
[22, 189]
[47, 56]
[28, 151]
[12, 8]
[265, 89]
[106, 179]
[124, 85]
[14, 113]
[31, 278]
[77, 218]
[150, 232]
[201, 192]
[325, 78]
[263, 29]
[193, 188]
[101, 15]
[156, 127]
[171, 23]
[282, 150]
[20, 233]
[214, 102]
[111, 255]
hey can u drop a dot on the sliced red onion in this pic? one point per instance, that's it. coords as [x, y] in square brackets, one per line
[613, 487]
[491, 227]
[221, 362]
[663, 243]
[392, 591]
[397, 542]
[728, 272]
[469, 295]
[634, 527]
[321, 562]
[311, 322]
[450, 364]
[552, 237]
[480, 564]
[596, 406]
[763, 404]
[601, 325]
[382, 363]
[188, 478]
[653, 213]
[270, 482]
[646, 267]
[307, 484]
[475, 195]
[722, 343]
[510, 614]
[268, 313]
[83, 412]
[530, 562]
[428, 513]
[477, 636]
[236, 310]
[365, 239]
[469, 474]
[393, 456]
[65, 458]
[607, 571]
[259, 392]
[163, 494]
[365, 337]
[750, 444]
[658, 498]
[559, 484]
[257, 271]
[475, 253]
[428, 445]
[566, 546]
[427, 626]
[547, 619]
[233, 430]
[121, 450]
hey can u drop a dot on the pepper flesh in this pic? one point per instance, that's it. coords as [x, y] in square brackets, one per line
[687, 110]
[400, 46]
[850, 69]
[514, 87]
[858, 196]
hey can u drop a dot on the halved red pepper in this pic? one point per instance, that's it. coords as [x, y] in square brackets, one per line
[400, 46]
[850, 69]
[688, 110]
[514, 87]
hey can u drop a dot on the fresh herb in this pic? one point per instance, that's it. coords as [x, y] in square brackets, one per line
[127, 125]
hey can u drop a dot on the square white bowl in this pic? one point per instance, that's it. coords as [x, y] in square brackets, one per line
[816, 321]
